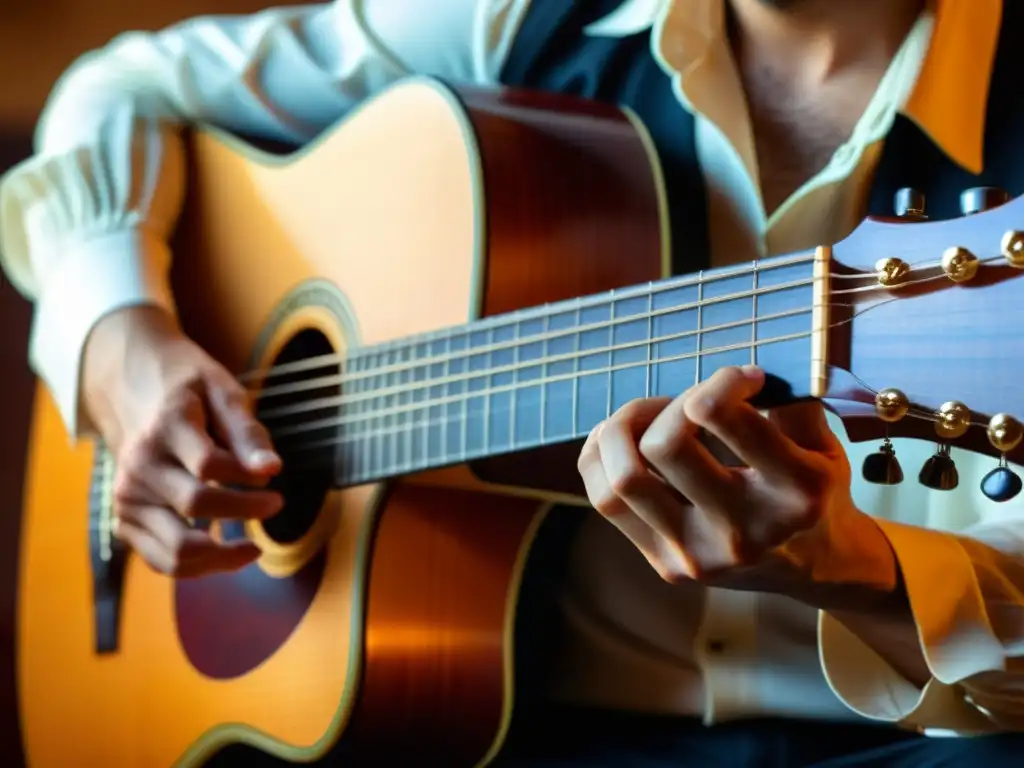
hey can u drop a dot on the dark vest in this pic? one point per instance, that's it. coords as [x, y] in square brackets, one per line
[552, 53]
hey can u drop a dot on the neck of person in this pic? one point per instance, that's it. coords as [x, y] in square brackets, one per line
[811, 42]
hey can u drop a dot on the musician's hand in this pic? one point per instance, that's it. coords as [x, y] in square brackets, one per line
[785, 522]
[180, 428]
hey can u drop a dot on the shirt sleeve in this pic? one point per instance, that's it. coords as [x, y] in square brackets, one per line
[966, 592]
[84, 224]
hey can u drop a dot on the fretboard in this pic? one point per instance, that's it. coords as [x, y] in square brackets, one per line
[544, 375]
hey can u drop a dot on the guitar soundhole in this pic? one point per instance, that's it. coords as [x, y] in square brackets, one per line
[298, 402]
[230, 623]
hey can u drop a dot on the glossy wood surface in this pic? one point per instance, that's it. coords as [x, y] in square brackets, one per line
[425, 571]
[933, 339]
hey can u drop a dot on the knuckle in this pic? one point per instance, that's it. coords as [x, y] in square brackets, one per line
[128, 480]
[727, 377]
[707, 408]
[206, 460]
[605, 501]
[192, 500]
[663, 446]
[628, 481]
[184, 408]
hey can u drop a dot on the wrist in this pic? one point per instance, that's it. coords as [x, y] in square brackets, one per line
[122, 339]
[846, 563]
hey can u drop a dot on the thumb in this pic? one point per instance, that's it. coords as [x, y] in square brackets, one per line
[233, 421]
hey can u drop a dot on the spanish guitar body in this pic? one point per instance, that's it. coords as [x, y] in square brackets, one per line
[433, 304]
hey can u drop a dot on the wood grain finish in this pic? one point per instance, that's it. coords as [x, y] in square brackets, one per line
[409, 631]
[934, 340]
[404, 648]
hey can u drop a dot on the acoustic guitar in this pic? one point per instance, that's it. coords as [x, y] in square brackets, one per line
[433, 304]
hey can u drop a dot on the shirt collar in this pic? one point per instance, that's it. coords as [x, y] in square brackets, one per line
[950, 98]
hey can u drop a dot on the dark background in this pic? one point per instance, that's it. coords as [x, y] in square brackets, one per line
[38, 40]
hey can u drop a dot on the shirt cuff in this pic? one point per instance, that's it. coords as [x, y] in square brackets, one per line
[952, 626]
[93, 278]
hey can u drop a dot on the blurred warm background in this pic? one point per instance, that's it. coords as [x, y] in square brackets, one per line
[38, 40]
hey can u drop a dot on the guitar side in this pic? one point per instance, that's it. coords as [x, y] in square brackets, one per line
[386, 624]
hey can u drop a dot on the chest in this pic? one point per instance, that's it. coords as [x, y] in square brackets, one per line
[796, 131]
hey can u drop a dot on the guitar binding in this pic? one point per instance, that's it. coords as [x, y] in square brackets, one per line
[107, 556]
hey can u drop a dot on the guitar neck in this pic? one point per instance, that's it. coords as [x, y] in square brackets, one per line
[546, 375]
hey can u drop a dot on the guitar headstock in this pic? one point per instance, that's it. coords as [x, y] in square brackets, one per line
[926, 334]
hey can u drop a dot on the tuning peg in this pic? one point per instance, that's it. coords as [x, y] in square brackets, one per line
[1002, 483]
[979, 199]
[939, 472]
[909, 204]
[882, 467]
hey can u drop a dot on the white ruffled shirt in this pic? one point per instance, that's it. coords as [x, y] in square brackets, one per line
[84, 228]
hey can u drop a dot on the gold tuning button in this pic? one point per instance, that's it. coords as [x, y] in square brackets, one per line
[891, 405]
[1013, 248]
[959, 265]
[890, 272]
[952, 420]
[1005, 432]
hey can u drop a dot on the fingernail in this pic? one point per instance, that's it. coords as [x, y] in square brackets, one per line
[753, 371]
[262, 457]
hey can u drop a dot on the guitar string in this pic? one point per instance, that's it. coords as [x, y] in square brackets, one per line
[391, 411]
[303, 428]
[603, 300]
[323, 382]
[404, 366]
[463, 376]
[501, 321]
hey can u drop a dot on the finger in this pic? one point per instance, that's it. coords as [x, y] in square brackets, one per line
[806, 425]
[188, 441]
[626, 471]
[672, 446]
[191, 497]
[720, 406]
[615, 510]
[166, 542]
[235, 424]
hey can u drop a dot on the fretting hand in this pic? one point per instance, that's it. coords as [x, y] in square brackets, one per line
[785, 522]
[181, 431]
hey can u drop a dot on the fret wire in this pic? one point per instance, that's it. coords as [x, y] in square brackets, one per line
[368, 443]
[700, 326]
[392, 444]
[543, 376]
[650, 337]
[753, 318]
[425, 458]
[447, 391]
[609, 401]
[464, 427]
[576, 373]
[513, 398]
[488, 382]
[378, 452]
